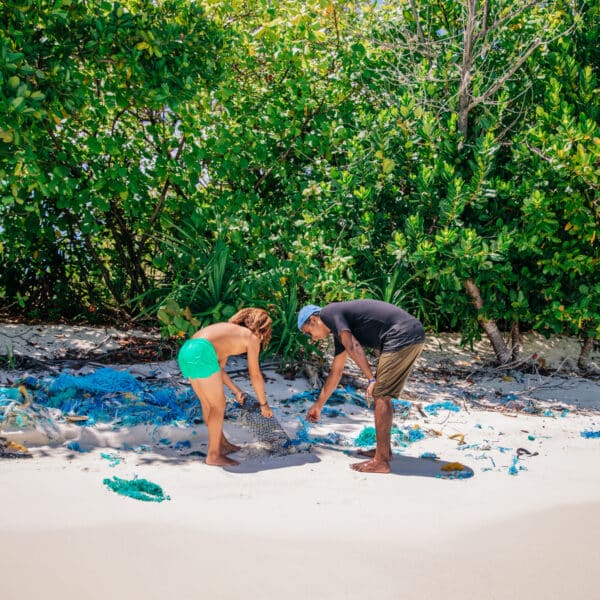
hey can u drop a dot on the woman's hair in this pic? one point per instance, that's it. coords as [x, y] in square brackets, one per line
[257, 321]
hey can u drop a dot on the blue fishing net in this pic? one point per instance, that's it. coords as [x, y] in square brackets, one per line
[400, 437]
[118, 398]
[102, 381]
[433, 409]
[339, 396]
[331, 439]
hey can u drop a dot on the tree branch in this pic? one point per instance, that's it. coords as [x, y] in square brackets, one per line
[494, 88]
[499, 22]
[416, 18]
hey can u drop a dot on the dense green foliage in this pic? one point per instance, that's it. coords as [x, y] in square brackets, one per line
[177, 160]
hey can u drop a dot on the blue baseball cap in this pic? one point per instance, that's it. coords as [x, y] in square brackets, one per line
[306, 312]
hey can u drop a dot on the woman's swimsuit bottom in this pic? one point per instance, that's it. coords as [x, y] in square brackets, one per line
[198, 359]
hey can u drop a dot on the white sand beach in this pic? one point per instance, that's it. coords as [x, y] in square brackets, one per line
[304, 525]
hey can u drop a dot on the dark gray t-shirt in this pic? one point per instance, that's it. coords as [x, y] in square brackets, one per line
[375, 324]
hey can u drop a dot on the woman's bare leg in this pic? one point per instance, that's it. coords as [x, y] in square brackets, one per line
[212, 398]
[227, 447]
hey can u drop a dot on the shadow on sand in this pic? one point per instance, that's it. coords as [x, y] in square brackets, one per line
[414, 466]
[267, 463]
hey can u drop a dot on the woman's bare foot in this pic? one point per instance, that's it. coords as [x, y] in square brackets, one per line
[221, 461]
[372, 466]
[229, 448]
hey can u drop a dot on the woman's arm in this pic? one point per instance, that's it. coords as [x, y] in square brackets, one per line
[256, 378]
[240, 396]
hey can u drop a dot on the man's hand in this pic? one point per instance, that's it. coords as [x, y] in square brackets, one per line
[313, 414]
[369, 393]
[265, 411]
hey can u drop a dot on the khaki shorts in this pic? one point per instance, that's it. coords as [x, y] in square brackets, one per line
[393, 370]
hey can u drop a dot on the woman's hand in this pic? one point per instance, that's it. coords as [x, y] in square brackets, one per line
[240, 396]
[265, 411]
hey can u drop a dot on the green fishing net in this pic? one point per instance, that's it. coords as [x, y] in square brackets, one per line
[140, 489]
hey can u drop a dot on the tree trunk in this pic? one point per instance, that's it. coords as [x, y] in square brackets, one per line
[584, 362]
[502, 352]
[515, 339]
[464, 94]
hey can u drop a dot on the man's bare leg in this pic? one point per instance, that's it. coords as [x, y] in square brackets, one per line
[369, 453]
[380, 463]
[212, 398]
[228, 447]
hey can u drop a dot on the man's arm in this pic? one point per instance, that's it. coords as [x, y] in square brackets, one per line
[335, 374]
[357, 353]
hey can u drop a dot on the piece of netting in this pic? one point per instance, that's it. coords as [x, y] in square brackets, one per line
[139, 489]
[102, 381]
[109, 396]
[268, 432]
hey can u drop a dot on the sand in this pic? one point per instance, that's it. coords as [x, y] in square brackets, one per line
[306, 525]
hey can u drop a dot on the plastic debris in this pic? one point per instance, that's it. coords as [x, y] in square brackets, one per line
[10, 449]
[268, 431]
[114, 459]
[102, 381]
[590, 434]
[182, 444]
[429, 455]
[366, 437]
[524, 452]
[8, 394]
[460, 437]
[400, 437]
[433, 409]
[331, 439]
[339, 396]
[453, 466]
[76, 446]
[327, 411]
[454, 470]
[118, 398]
[139, 489]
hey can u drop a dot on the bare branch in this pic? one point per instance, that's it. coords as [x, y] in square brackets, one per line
[416, 18]
[516, 66]
[540, 153]
[499, 22]
[484, 19]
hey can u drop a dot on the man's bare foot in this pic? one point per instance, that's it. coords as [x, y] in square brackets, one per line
[221, 461]
[372, 466]
[228, 448]
[369, 453]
